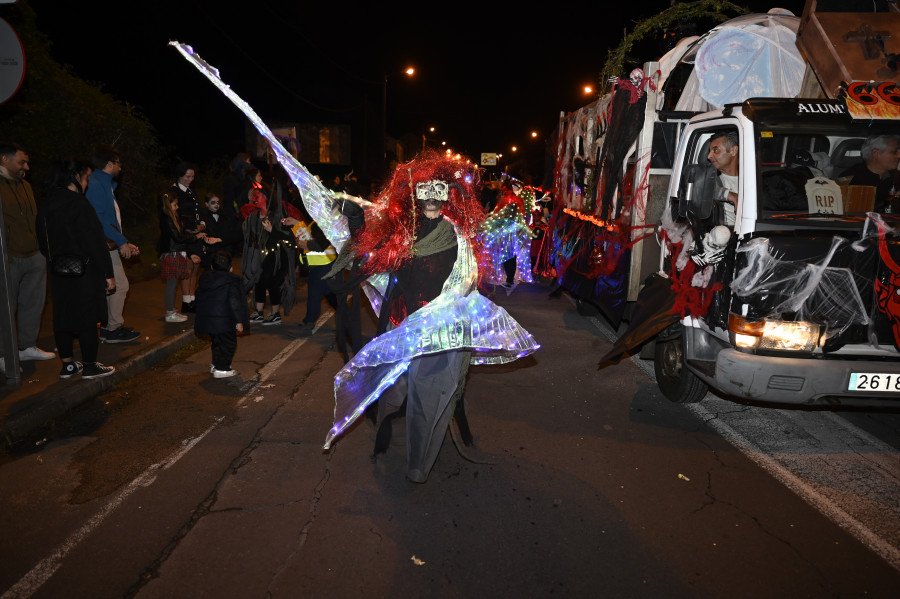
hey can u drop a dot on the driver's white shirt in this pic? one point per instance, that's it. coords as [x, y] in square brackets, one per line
[730, 183]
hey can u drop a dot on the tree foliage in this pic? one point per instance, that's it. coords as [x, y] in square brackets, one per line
[57, 115]
[715, 11]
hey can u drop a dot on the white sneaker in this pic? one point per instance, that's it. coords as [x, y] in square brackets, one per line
[223, 374]
[34, 353]
[175, 317]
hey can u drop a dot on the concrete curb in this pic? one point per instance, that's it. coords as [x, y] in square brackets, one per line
[46, 409]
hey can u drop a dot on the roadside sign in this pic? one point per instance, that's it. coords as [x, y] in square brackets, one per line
[12, 62]
[488, 159]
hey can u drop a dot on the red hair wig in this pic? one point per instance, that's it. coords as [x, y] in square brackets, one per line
[390, 231]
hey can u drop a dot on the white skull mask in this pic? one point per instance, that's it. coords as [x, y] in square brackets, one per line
[435, 189]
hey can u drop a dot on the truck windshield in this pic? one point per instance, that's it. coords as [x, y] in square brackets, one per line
[828, 174]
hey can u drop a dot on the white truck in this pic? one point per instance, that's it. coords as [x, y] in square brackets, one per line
[791, 293]
[801, 305]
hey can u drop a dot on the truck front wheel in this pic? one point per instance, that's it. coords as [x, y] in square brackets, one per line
[674, 379]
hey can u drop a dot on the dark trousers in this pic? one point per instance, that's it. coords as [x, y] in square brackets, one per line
[87, 339]
[428, 389]
[270, 279]
[223, 347]
[316, 289]
[509, 267]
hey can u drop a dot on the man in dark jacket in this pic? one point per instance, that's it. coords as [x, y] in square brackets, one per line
[221, 312]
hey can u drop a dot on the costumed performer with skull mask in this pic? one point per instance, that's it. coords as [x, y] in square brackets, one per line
[422, 236]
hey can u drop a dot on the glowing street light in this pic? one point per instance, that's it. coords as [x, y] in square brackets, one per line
[588, 89]
[410, 71]
[425, 137]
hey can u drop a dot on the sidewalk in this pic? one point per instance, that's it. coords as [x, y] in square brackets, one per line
[42, 396]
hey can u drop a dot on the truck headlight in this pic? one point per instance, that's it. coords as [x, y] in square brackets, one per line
[782, 335]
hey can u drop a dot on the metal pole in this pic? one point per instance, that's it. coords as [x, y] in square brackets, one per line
[9, 344]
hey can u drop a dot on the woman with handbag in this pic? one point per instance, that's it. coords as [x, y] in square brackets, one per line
[179, 252]
[81, 273]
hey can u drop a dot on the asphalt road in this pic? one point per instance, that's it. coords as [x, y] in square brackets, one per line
[582, 483]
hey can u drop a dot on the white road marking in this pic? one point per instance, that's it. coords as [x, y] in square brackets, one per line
[836, 484]
[41, 573]
[839, 469]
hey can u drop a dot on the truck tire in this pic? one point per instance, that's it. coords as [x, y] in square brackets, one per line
[673, 377]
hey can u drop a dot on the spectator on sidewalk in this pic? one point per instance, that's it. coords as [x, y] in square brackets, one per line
[178, 251]
[68, 226]
[231, 184]
[336, 184]
[221, 312]
[27, 268]
[191, 224]
[101, 194]
[223, 230]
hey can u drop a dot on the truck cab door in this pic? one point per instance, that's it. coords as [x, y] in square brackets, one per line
[698, 192]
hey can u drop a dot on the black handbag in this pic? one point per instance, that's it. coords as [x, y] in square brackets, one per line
[64, 265]
[67, 265]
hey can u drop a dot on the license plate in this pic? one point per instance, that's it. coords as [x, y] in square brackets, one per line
[874, 381]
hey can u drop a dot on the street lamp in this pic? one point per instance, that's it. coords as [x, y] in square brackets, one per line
[430, 130]
[409, 72]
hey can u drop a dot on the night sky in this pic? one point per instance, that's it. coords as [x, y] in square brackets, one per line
[487, 73]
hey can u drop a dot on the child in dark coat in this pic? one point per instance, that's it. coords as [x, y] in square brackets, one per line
[221, 312]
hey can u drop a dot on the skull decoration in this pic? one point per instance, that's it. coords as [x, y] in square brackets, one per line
[714, 244]
[636, 76]
[435, 190]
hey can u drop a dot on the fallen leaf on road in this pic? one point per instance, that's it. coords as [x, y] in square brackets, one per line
[683, 477]
[417, 561]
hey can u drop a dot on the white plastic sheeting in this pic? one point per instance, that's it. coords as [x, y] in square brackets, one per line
[750, 56]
